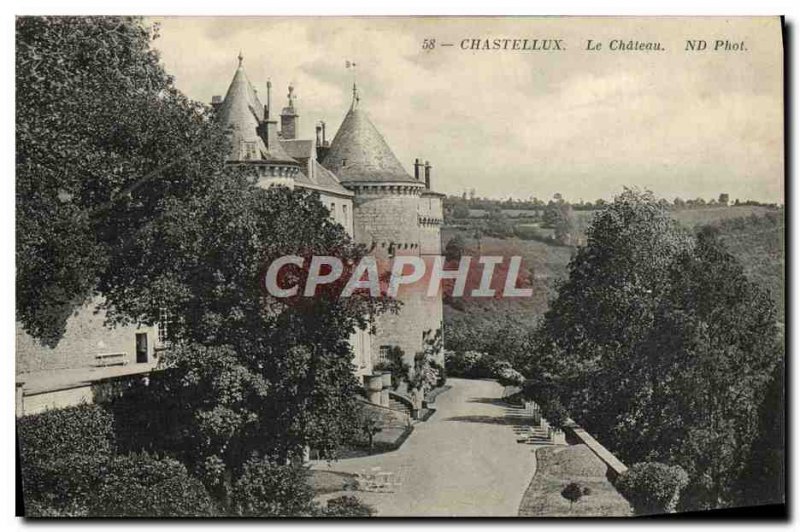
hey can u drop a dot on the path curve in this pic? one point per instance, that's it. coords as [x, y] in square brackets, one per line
[463, 461]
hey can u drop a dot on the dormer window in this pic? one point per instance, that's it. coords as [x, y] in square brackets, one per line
[250, 151]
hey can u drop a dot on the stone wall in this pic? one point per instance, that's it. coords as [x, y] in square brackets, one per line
[85, 337]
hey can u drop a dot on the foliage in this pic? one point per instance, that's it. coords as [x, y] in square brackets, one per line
[763, 479]
[426, 376]
[62, 452]
[395, 364]
[370, 423]
[454, 249]
[506, 375]
[652, 487]
[572, 492]
[467, 364]
[660, 345]
[140, 485]
[498, 224]
[96, 118]
[267, 489]
[559, 216]
[347, 506]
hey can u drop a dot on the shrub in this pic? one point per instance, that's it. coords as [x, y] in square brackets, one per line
[572, 492]
[141, 485]
[62, 452]
[347, 506]
[467, 364]
[652, 487]
[555, 413]
[507, 375]
[266, 489]
[442, 374]
[84, 429]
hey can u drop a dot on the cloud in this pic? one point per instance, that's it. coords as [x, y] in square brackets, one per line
[580, 123]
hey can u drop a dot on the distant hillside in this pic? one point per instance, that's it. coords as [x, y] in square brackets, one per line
[754, 234]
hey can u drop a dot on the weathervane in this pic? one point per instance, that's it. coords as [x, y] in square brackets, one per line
[351, 65]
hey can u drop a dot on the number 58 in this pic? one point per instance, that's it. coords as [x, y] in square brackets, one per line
[429, 44]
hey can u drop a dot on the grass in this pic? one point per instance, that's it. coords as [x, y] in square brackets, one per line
[558, 466]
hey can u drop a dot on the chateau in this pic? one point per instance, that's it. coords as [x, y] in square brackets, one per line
[364, 186]
[357, 177]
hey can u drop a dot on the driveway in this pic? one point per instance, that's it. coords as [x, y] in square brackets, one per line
[463, 461]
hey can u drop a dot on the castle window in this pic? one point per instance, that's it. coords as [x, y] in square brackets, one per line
[250, 151]
[344, 215]
[383, 353]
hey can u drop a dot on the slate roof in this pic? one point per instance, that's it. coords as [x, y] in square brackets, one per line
[359, 153]
[240, 113]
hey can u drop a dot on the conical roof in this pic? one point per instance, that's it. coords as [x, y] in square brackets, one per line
[240, 114]
[359, 153]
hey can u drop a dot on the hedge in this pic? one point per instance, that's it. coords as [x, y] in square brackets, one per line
[347, 506]
[141, 485]
[652, 487]
[267, 489]
[62, 454]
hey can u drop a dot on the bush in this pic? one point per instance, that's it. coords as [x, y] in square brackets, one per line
[266, 489]
[467, 364]
[652, 487]
[347, 506]
[555, 413]
[572, 492]
[141, 485]
[442, 372]
[507, 375]
[62, 453]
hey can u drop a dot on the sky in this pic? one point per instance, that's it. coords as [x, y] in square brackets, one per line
[520, 123]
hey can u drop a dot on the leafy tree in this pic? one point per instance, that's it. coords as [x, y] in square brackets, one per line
[103, 142]
[454, 249]
[572, 492]
[660, 345]
[370, 424]
[498, 224]
[123, 190]
[461, 211]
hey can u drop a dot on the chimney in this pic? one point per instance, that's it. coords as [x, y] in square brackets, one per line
[216, 101]
[417, 164]
[324, 141]
[289, 117]
[319, 135]
[428, 175]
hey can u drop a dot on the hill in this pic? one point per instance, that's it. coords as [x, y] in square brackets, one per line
[753, 234]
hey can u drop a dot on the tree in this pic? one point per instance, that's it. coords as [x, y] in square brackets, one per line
[660, 345]
[454, 249]
[461, 211]
[724, 199]
[573, 493]
[370, 423]
[103, 142]
[498, 224]
[123, 190]
[652, 487]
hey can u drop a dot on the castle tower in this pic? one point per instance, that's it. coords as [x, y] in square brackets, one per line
[386, 219]
[253, 133]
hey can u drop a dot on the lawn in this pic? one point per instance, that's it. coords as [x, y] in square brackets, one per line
[556, 467]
